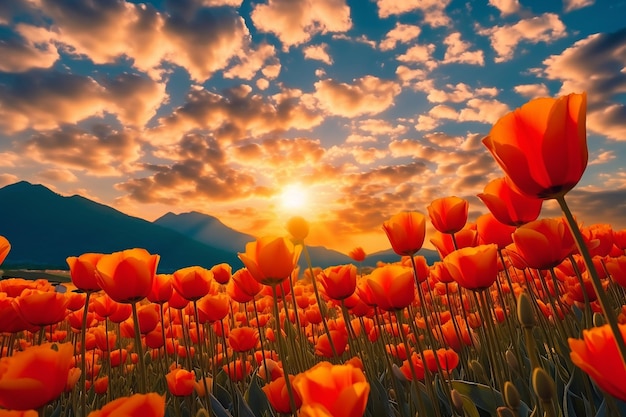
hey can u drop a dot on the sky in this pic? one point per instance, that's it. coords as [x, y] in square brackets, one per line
[345, 112]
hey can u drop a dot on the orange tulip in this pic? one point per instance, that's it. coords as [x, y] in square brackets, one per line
[544, 243]
[406, 232]
[278, 395]
[418, 367]
[448, 214]
[340, 343]
[298, 228]
[392, 286]
[137, 405]
[5, 247]
[246, 282]
[212, 308]
[270, 260]
[41, 308]
[243, 339]
[542, 146]
[444, 244]
[20, 413]
[222, 273]
[508, 205]
[83, 271]
[340, 389]
[32, 378]
[162, 288]
[10, 320]
[180, 382]
[339, 282]
[192, 282]
[237, 370]
[597, 355]
[617, 269]
[491, 230]
[474, 268]
[127, 276]
[357, 254]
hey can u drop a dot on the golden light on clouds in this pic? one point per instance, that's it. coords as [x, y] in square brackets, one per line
[293, 197]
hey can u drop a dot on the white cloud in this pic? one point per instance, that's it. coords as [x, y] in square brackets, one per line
[457, 51]
[401, 33]
[504, 39]
[318, 52]
[295, 21]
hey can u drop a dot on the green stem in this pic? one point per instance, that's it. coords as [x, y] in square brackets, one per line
[609, 314]
[281, 351]
[83, 359]
[139, 347]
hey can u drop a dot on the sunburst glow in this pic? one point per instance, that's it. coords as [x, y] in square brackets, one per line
[293, 196]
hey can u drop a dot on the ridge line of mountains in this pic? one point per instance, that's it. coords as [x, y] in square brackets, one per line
[44, 228]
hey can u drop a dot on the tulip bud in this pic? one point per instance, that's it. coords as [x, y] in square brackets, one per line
[505, 412]
[511, 360]
[598, 319]
[525, 313]
[543, 385]
[457, 402]
[511, 395]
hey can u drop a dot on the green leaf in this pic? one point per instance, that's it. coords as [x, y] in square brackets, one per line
[256, 398]
[483, 396]
[217, 407]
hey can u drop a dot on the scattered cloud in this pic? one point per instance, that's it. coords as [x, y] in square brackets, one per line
[318, 52]
[294, 22]
[457, 51]
[570, 5]
[595, 65]
[532, 90]
[401, 33]
[368, 95]
[433, 10]
[505, 39]
[506, 7]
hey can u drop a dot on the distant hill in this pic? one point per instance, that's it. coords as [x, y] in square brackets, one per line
[211, 231]
[206, 229]
[44, 228]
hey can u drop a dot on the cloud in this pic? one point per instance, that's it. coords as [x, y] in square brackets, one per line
[483, 111]
[506, 7]
[249, 61]
[318, 52]
[294, 22]
[236, 114]
[202, 41]
[433, 10]
[601, 157]
[576, 4]
[57, 175]
[44, 100]
[532, 90]
[367, 95]
[20, 55]
[595, 207]
[419, 54]
[457, 51]
[99, 152]
[455, 93]
[381, 127]
[504, 39]
[401, 33]
[6, 179]
[406, 75]
[595, 65]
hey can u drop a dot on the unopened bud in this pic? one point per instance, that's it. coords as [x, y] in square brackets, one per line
[511, 395]
[525, 313]
[543, 384]
[479, 371]
[511, 360]
[457, 402]
[598, 319]
[505, 412]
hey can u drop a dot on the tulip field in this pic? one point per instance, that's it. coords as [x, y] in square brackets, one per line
[521, 316]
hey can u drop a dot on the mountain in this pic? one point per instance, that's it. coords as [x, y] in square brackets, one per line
[211, 231]
[44, 228]
[206, 229]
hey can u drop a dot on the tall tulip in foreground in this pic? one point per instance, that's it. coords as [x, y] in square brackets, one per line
[542, 149]
[34, 377]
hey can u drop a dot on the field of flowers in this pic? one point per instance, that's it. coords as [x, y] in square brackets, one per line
[523, 316]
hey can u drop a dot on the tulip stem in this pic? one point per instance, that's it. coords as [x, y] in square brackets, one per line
[83, 359]
[281, 350]
[609, 314]
[139, 348]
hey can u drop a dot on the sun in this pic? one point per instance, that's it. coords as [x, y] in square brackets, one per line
[293, 196]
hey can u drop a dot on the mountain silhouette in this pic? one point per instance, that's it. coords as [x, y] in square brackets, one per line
[44, 228]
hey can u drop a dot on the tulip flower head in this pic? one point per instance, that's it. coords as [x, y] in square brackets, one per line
[448, 214]
[406, 232]
[270, 260]
[542, 146]
[127, 276]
